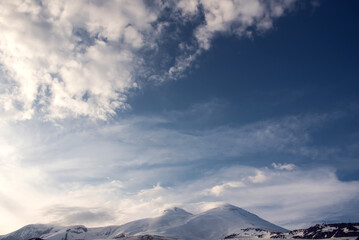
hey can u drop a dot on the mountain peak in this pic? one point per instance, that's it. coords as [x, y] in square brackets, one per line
[226, 207]
[176, 211]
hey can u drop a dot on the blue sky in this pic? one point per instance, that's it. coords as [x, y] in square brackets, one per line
[115, 111]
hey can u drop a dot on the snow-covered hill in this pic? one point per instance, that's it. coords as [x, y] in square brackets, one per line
[175, 223]
[343, 231]
[147, 237]
[31, 231]
[321, 231]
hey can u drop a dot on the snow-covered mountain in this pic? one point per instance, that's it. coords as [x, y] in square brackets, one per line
[174, 223]
[221, 221]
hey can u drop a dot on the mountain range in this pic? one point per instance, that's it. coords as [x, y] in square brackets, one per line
[223, 222]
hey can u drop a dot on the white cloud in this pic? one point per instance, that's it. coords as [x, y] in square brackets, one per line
[67, 58]
[188, 6]
[54, 69]
[221, 15]
[238, 17]
[219, 189]
[285, 166]
[133, 37]
[260, 177]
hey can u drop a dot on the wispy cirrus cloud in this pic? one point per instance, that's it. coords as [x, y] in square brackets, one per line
[69, 59]
[140, 165]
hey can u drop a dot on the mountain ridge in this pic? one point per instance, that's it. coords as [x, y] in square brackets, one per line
[223, 222]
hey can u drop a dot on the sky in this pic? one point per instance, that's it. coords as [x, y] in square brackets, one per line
[112, 111]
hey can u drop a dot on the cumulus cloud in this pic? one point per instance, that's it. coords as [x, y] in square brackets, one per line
[68, 58]
[64, 59]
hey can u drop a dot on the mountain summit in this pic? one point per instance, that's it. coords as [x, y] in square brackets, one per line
[224, 220]
[176, 211]
[175, 222]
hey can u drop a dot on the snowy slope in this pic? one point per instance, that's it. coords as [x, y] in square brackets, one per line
[171, 218]
[147, 237]
[321, 231]
[31, 231]
[52, 232]
[342, 231]
[219, 222]
[176, 223]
